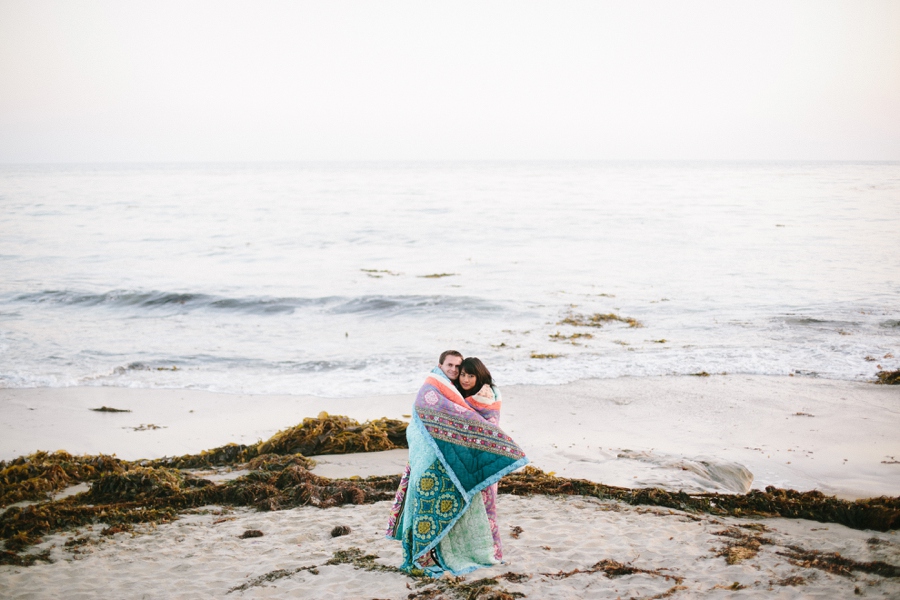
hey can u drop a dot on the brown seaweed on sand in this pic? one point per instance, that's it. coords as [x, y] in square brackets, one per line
[329, 434]
[125, 493]
[888, 377]
[251, 533]
[272, 576]
[325, 434]
[832, 562]
[457, 588]
[153, 491]
[880, 514]
[340, 530]
[611, 569]
[741, 545]
[446, 588]
[156, 495]
[32, 477]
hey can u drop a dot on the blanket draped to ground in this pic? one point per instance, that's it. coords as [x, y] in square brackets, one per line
[444, 513]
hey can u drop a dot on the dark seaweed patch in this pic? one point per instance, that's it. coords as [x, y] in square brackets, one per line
[880, 514]
[325, 434]
[611, 569]
[792, 581]
[33, 477]
[329, 434]
[153, 491]
[126, 493]
[515, 577]
[597, 320]
[156, 495]
[837, 564]
[272, 576]
[888, 377]
[740, 545]
[251, 533]
[575, 336]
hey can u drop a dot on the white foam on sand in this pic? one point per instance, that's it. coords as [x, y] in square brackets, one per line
[202, 555]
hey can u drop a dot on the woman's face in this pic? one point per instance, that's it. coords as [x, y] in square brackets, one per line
[466, 381]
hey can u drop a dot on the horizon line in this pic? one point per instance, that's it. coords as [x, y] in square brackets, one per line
[322, 161]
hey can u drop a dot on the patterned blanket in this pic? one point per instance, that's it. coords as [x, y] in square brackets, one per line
[444, 512]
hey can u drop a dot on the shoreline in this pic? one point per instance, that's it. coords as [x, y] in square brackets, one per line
[726, 433]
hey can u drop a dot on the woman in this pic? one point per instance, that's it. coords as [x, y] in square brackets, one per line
[477, 387]
[475, 382]
[445, 510]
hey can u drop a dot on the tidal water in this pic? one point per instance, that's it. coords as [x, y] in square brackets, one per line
[350, 278]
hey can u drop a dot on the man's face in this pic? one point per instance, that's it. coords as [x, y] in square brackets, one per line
[450, 366]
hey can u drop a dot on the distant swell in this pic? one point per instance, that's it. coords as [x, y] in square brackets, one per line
[187, 302]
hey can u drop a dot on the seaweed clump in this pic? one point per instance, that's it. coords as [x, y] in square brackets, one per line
[157, 494]
[598, 320]
[880, 514]
[124, 493]
[329, 434]
[612, 569]
[229, 454]
[742, 545]
[888, 377]
[837, 564]
[325, 434]
[34, 476]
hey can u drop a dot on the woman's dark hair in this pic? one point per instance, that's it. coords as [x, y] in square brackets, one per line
[473, 366]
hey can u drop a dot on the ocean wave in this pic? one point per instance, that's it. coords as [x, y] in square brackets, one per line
[261, 305]
[182, 363]
[412, 303]
[813, 322]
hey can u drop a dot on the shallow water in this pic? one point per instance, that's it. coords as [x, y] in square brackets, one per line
[313, 278]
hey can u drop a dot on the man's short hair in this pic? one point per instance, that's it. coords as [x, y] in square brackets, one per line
[447, 353]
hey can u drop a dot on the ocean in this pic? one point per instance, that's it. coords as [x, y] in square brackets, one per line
[350, 278]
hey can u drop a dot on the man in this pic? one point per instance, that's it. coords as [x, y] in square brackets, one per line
[449, 363]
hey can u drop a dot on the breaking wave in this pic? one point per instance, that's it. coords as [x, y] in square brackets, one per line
[260, 305]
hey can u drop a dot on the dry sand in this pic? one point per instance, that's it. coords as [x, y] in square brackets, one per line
[203, 556]
[685, 432]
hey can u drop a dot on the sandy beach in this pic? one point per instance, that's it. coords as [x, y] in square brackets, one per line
[726, 433]
[720, 433]
[203, 556]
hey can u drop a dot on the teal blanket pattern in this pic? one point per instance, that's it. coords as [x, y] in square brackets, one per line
[444, 507]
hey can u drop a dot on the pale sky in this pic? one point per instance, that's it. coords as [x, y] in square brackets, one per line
[421, 80]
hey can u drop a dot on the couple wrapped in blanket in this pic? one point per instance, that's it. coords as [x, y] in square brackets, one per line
[445, 512]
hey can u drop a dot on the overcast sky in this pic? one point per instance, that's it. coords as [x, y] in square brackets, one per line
[334, 80]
